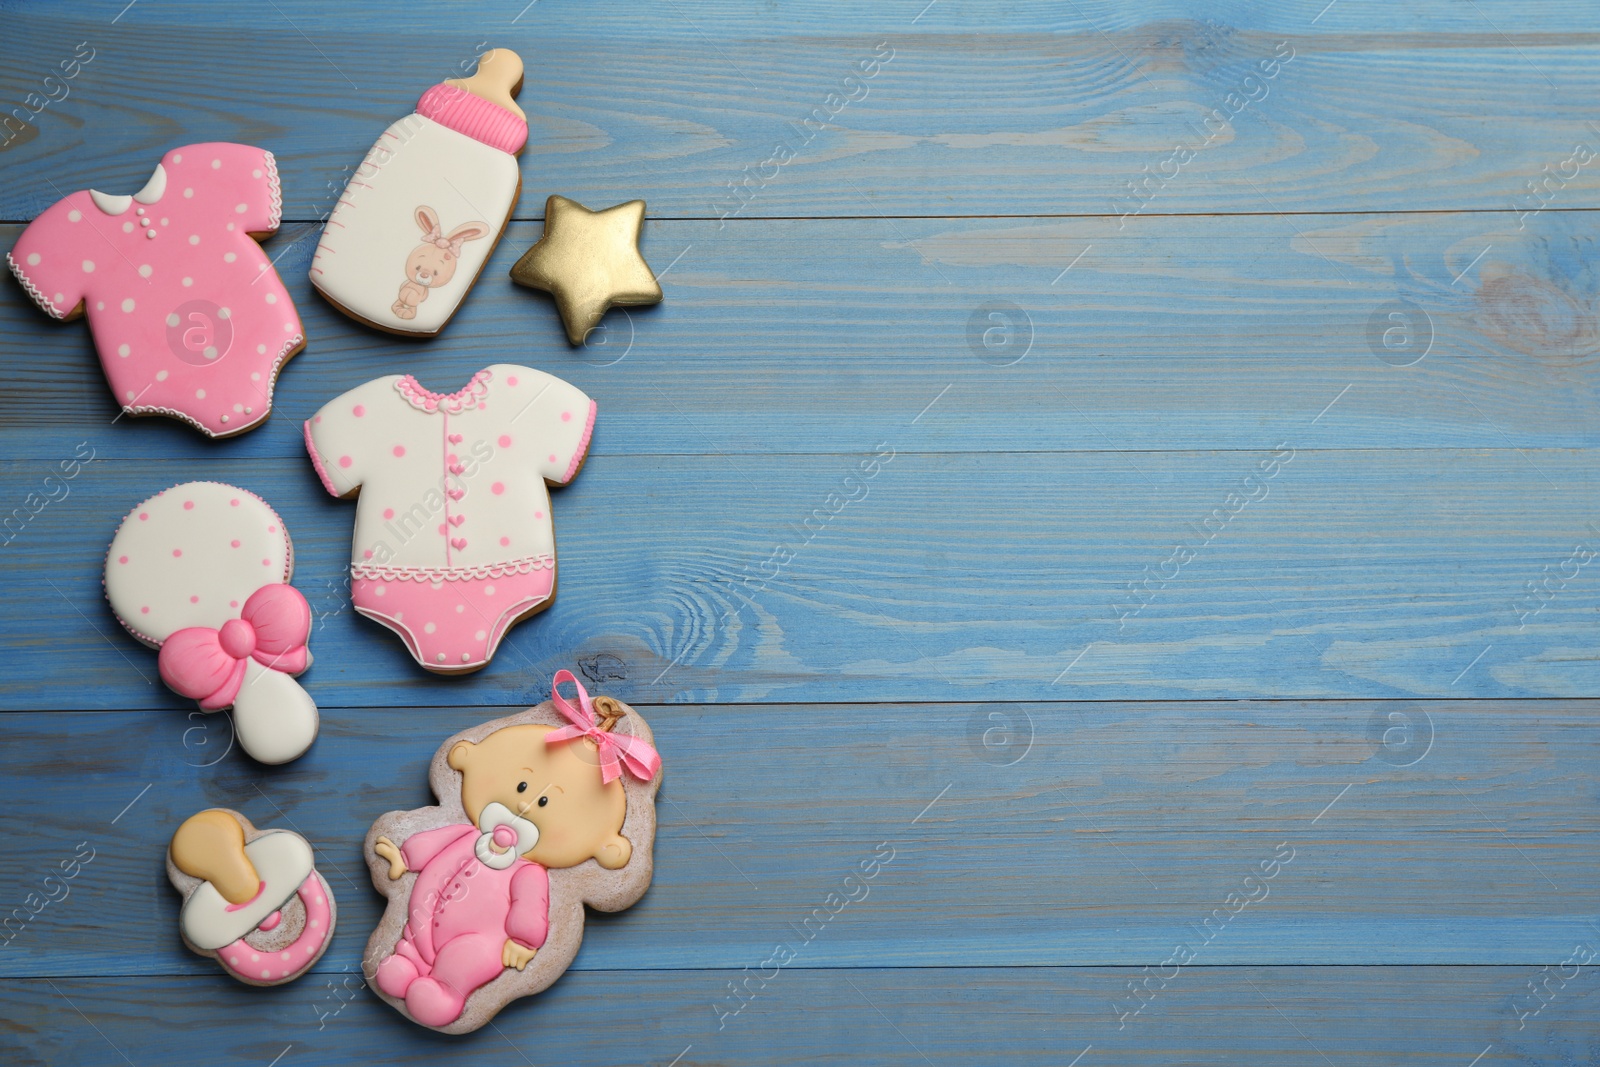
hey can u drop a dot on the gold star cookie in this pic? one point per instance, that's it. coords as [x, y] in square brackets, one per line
[589, 262]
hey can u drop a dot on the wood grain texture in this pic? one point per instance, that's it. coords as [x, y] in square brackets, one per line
[1300, 1017]
[1356, 574]
[973, 115]
[814, 336]
[1374, 810]
[1374, 676]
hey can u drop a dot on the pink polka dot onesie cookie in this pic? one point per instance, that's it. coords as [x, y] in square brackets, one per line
[187, 314]
[200, 572]
[539, 814]
[252, 899]
[454, 541]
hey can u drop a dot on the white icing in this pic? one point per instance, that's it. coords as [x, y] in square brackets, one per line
[111, 205]
[282, 859]
[274, 718]
[361, 261]
[155, 188]
[415, 486]
[496, 814]
[210, 568]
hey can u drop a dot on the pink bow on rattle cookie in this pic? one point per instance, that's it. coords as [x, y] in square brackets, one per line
[208, 665]
[437, 238]
[617, 751]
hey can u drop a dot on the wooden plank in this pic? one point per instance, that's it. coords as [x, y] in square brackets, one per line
[1315, 1017]
[966, 336]
[1460, 832]
[1428, 108]
[994, 577]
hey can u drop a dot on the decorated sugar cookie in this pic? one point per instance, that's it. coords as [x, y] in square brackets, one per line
[187, 314]
[252, 899]
[428, 204]
[589, 261]
[539, 814]
[453, 536]
[200, 571]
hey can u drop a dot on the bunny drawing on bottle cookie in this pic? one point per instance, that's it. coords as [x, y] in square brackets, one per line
[433, 262]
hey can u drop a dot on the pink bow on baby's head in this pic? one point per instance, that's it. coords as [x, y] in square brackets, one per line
[436, 238]
[617, 751]
[208, 665]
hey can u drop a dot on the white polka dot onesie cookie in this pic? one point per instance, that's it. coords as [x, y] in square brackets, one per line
[252, 899]
[454, 541]
[200, 572]
[187, 314]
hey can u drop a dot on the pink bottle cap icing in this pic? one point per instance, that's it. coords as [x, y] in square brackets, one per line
[474, 116]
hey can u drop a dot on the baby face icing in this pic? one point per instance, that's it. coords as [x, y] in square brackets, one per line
[545, 803]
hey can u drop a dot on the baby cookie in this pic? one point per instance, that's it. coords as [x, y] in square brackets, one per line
[252, 899]
[421, 214]
[540, 813]
[454, 540]
[188, 316]
[200, 571]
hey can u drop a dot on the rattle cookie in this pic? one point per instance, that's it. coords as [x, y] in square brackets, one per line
[187, 314]
[540, 813]
[422, 213]
[200, 572]
[454, 541]
[252, 899]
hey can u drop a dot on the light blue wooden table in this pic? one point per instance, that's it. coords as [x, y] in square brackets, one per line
[1212, 646]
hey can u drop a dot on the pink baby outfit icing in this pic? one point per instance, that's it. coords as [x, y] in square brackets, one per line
[457, 622]
[462, 912]
[454, 538]
[474, 116]
[188, 316]
[252, 964]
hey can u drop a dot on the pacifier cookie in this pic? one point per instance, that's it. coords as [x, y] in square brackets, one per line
[200, 572]
[189, 317]
[252, 899]
[540, 814]
[454, 541]
[422, 213]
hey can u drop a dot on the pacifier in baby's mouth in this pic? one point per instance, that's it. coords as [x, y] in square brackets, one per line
[504, 836]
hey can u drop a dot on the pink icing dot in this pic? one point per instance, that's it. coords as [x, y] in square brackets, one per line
[122, 559]
[552, 457]
[511, 380]
[504, 541]
[538, 514]
[399, 450]
[344, 461]
[505, 440]
[194, 600]
[388, 513]
[566, 416]
[359, 411]
[144, 611]
[143, 515]
[367, 554]
[497, 488]
[272, 529]
[177, 552]
[235, 544]
[188, 505]
[234, 502]
[441, 527]
[233, 603]
[316, 420]
[266, 563]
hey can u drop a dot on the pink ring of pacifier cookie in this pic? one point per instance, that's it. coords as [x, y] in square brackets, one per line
[257, 965]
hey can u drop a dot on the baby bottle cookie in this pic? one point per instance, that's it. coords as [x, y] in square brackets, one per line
[200, 572]
[454, 541]
[187, 314]
[428, 204]
[252, 899]
[540, 814]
